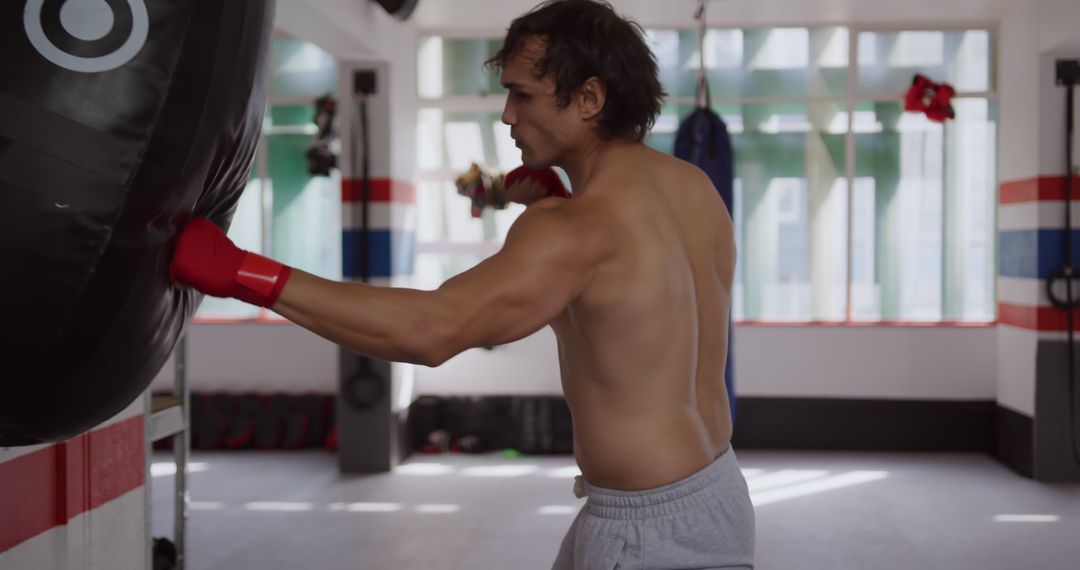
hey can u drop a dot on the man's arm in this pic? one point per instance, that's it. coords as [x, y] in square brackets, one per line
[544, 265]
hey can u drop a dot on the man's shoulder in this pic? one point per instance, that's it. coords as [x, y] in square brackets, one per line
[561, 215]
[574, 226]
[645, 166]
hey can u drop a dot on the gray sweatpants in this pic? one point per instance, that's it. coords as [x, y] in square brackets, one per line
[703, 521]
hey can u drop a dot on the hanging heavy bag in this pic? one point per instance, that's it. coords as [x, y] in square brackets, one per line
[119, 121]
[703, 140]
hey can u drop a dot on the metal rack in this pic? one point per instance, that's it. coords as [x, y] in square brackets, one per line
[170, 416]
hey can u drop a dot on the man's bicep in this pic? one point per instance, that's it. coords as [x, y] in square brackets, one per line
[523, 287]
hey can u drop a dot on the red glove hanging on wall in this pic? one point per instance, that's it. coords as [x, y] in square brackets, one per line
[206, 259]
[931, 98]
[941, 108]
[918, 94]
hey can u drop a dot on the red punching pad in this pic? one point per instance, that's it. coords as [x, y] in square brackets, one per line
[119, 121]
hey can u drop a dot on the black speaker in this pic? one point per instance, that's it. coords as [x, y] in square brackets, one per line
[400, 9]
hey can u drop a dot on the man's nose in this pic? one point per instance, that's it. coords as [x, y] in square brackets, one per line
[509, 117]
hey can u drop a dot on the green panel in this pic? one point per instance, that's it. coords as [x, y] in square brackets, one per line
[293, 242]
[292, 115]
[301, 69]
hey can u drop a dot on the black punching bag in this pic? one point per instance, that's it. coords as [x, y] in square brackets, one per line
[119, 121]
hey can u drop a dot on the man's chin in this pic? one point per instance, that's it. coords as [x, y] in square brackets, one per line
[532, 162]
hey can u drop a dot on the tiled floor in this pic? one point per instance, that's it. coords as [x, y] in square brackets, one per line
[814, 510]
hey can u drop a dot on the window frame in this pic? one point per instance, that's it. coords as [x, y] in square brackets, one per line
[493, 103]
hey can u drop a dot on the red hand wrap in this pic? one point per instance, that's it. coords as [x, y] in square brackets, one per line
[263, 276]
[206, 259]
[545, 176]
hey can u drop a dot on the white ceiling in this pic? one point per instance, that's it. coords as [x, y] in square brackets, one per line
[353, 28]
[495, 15]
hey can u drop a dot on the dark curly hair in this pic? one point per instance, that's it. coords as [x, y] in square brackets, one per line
[586, 38]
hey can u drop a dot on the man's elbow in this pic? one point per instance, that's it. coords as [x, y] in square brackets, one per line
[434, 346]
[435, 356]
[431, 360]
[440, 335]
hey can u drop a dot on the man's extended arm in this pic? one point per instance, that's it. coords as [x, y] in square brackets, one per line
[544, 265]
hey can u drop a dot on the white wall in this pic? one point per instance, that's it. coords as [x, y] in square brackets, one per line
[474, 16]
[1018, 159]
[1060, 27]
[818, 362]
[954, 363]
[1018, 98]
[348, 29]
[527, 367]
[257, 358]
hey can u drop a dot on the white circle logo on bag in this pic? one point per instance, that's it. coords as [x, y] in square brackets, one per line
[87, 35]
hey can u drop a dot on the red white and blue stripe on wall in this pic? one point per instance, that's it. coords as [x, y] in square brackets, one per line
[392, 216]
[1031, 234]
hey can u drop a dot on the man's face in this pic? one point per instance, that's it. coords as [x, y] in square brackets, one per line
[542, 130]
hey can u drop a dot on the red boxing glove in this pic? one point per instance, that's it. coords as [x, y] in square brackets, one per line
[919, 94]
[941, 109]
[545, 176]
[206, 259]
[931, 98]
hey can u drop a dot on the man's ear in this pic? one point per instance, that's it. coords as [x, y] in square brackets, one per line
[590, 97]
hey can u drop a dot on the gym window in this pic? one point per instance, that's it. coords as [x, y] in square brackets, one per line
[848, 210]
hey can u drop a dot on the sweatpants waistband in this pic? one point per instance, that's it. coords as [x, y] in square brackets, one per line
[704, 486]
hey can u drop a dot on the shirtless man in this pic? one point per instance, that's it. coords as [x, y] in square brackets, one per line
[633, 273]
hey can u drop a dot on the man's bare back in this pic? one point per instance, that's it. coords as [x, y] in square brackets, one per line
[642, 350]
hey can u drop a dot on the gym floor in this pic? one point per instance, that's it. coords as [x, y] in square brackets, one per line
[879, 511]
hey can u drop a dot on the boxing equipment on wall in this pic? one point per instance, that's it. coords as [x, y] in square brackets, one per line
[320, 154]
[931, 98]
[119, 121]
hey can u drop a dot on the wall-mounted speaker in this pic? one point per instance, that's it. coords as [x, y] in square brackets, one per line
[400, 9]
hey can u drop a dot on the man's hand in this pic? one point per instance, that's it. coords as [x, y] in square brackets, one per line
[206, 259]
[526, 185]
